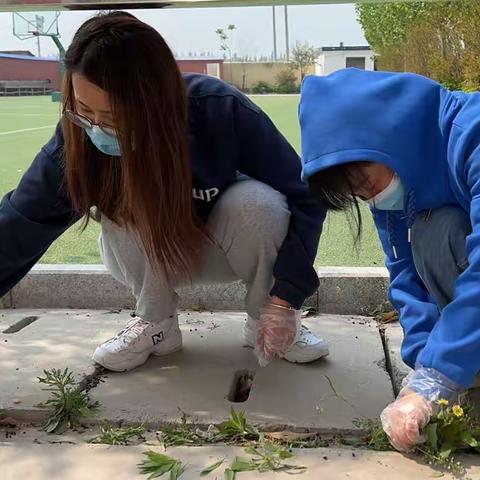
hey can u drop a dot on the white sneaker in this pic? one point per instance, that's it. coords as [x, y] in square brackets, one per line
[133, 345]
[307, 347]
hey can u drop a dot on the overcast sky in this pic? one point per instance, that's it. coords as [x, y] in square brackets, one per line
[193, 30]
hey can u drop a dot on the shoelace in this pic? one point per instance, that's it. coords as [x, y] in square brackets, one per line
[303, 336]
[131, 332]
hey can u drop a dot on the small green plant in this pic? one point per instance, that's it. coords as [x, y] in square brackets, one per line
[237, 428]
[158, 464]
[451, 432]
[69, 404]
[178, 436]
[270, 457]
[265, 456]
[119, 436]
[375, 436]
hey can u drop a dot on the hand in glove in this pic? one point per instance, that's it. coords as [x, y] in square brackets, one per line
[276, 331]
[404, 419]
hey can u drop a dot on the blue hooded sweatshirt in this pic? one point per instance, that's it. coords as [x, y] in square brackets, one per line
[430, 137]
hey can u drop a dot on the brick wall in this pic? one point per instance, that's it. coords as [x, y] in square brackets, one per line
[16, 69]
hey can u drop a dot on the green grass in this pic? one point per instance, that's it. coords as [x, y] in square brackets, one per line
[19, 149]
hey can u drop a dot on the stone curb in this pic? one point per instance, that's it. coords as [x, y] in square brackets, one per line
[343, 290]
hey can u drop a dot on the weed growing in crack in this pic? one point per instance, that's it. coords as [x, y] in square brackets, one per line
[451, 432]
[235, 429]
[119, 436]
[67, 401]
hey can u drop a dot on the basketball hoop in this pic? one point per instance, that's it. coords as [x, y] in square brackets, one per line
[35, 24]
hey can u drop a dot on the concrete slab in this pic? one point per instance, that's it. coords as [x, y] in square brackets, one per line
[78, 462]
[343, 290]
[71, 286]
[302, 396]
[57, 339]
[198, 379]
[352, 290]
[393, 335]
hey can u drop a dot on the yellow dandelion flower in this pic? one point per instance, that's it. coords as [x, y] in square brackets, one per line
[457, 411]
[443, 402]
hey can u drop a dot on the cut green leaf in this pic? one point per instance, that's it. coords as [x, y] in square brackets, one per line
[432, 436]
[211, 468]
[158, 464]
[229, 474]
[240, 464]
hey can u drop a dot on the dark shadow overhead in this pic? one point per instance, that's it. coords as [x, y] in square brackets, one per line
[30, 5]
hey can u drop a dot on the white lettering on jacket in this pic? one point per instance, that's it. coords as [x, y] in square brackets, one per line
[206, 195]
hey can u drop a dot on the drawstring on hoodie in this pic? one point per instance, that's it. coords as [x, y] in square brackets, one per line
[410, 215]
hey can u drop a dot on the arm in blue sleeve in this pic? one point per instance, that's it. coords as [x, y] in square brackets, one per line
[265, 155]
[407, 293]
[34, 214]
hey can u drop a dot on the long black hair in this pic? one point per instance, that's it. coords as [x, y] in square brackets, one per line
[335, 188]
[150, 190]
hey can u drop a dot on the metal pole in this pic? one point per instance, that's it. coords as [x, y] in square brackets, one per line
[38, 46]
[274, 34]
[287, 48]
[61, 52]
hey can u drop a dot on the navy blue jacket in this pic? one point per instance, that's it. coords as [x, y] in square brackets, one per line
[228, 134]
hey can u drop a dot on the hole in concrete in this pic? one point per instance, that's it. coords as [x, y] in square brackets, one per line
[21, 324]
[241, 385]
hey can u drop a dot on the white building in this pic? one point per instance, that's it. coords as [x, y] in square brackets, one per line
[331, 59]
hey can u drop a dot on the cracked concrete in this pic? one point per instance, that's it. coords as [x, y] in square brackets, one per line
[198, 379]
[393, 335]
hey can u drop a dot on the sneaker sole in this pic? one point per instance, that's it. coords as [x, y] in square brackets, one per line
[295, 356]
[126, 366]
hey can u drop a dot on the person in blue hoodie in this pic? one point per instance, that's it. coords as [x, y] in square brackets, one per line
[160, 156]
[411, 149]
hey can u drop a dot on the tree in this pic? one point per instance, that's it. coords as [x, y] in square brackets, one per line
[303, 57]
[286, 82]
[226, 42]
[386, 24]
[429, 38]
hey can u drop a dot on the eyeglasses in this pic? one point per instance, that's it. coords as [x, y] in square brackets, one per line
[84, 122]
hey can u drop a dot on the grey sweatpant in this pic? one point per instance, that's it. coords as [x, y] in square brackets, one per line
[439, 250]
[248, 225]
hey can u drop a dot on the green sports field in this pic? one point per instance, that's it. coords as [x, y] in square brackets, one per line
[27, 123]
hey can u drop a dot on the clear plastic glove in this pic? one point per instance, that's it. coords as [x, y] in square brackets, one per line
[276, 332]
[404, 419]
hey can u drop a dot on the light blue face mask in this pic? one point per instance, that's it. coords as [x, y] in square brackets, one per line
[107, 144]
[391, 198]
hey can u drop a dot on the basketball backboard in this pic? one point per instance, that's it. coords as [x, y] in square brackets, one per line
[34, 24]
